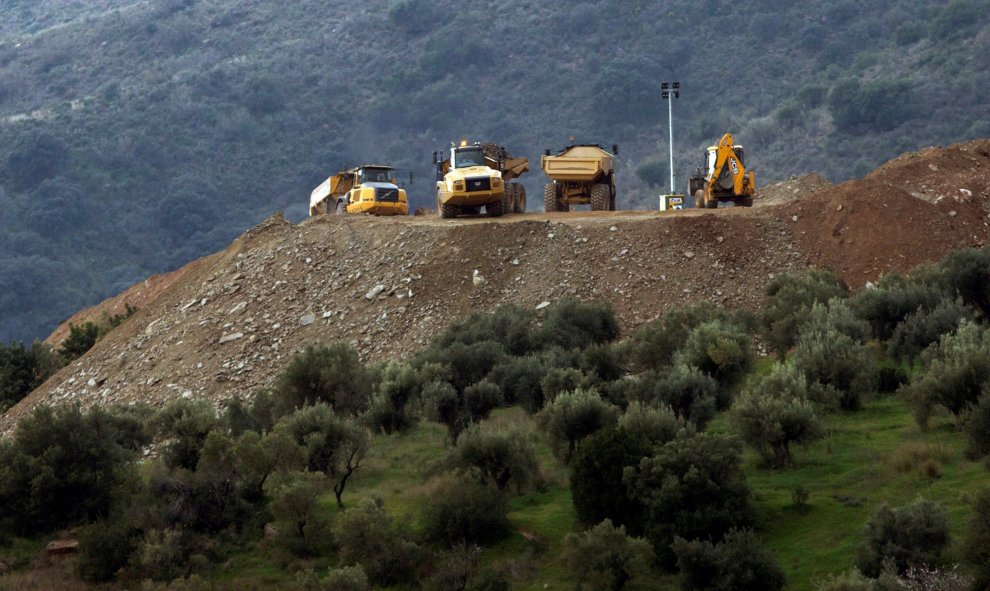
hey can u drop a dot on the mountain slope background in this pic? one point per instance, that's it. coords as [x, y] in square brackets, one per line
[136, 136]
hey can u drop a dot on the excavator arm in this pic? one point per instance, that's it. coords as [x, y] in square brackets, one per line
[727, 161]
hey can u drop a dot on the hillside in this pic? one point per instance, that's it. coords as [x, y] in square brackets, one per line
[227, 324]
[137, 136]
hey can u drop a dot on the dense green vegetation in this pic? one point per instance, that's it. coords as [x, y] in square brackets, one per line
[136, 136]
[462, 468]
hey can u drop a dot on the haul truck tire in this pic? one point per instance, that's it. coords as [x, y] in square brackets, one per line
[446, 210]
[509, 198]
[520, 199]
[341, 208]
[494, 209]
[600, 197]
[550, 198]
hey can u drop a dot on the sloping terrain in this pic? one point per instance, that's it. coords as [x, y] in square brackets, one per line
[137, 135]
[228, 323]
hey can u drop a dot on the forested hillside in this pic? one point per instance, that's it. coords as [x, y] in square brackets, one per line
[135, 136]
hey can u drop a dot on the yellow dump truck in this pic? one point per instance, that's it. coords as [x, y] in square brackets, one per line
[580, 174]
[475, 176]
[371, 189]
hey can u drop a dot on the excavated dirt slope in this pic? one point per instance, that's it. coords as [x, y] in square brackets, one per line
[228, 323]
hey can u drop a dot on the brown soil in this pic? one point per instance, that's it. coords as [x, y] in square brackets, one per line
[227, 324]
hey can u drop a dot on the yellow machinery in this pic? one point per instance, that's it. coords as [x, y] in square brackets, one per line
[580, 174]
[371, 188]
[724, 177]
[475, 176]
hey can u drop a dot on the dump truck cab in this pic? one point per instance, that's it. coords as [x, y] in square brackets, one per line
[468, 180]
[371, 189]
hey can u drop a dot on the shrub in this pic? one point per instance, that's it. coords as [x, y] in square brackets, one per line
[837, 365]
[348, 578]
[601, 362]
[571, 324]
[653, 424]
[836, 315]
[912, 535]
[330, 374]
[481, 399]
[23, 369]
[957, 372]
[303, 526]
[596, 478]
[976, 544]
[519, 379]
[502, 457]
[738, 562]
[390, 410]
[774, 412]
[104, 548]
[452, 569]
[978, 427]
[81, 338]
[720, 349]
[851, 580]
[879, 105]
[789, 297]
[606, 557]
[465, 512]
[653, 345]
[692, 487]
[892, 301]
[185, 424]
[922, 328]
[468, 363]
[967, 275]
[368, 535]
[692, 394]
[331, 445]
[573, 416]
[508, 326]
[258, 416]
[563, 379]
[57, 455]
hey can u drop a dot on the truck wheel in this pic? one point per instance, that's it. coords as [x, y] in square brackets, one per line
[341, 208]
[600, 197]
[446, 210]
[508, 198]
[550, 198]
[494, 209]
[745, 202]
[520, 199]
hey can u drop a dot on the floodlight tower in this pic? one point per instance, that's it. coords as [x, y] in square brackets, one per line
[669, 91]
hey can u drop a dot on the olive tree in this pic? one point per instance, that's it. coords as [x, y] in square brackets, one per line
[773, 412]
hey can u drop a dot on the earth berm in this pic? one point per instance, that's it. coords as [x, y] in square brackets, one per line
[226, 324]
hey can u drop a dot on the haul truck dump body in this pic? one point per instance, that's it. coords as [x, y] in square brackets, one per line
[580, 174]
[366, 189]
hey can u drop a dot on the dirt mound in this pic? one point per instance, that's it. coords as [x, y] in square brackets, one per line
[227, 324]
[957, 174]
[862, 229]
[794, 188]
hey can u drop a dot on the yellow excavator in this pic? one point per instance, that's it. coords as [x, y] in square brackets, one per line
[371, 189]
[724, 177]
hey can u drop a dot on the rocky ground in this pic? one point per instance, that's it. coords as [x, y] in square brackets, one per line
[227, 324]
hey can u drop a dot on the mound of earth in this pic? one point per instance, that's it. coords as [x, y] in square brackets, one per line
[228, 324]
[792, 189]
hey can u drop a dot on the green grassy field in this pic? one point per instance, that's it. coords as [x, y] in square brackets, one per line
[874, 456]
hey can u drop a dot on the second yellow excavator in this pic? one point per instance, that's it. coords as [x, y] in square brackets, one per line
[724, 177]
